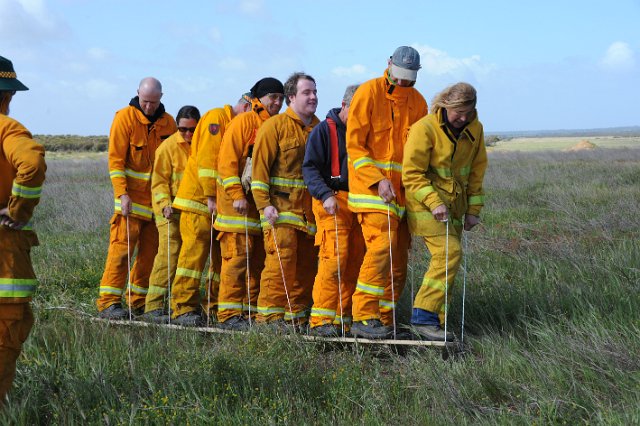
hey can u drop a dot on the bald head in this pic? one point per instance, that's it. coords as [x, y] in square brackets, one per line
[149, 95]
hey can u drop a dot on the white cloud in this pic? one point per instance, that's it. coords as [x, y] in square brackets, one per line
[437, 62]
[97, 53]
[356, 70]
[618, 57]
[232, 64]
[99, 89]
[251, 7]
[28, 20]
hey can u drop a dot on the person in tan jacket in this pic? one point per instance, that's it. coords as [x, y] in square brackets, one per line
[281, 196]
[22, 173]
[196, 199]
[171, 160]
[136, 134]
[445, 160]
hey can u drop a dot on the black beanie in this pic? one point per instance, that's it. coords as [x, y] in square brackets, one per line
[266, 85]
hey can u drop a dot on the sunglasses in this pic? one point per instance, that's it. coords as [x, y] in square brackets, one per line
[186, 129]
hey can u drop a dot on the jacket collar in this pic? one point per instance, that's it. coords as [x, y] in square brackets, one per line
[135, 102]
[289, 112]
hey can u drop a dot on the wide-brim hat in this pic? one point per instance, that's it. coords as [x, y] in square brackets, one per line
[8, 77]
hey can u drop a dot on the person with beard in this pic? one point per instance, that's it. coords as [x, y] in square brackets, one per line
[136, 133]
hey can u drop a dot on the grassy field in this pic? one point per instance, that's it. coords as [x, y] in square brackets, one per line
[552, 318]
[565, 143]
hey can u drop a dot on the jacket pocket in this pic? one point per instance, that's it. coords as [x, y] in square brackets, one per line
[138, 167]
[292, 154]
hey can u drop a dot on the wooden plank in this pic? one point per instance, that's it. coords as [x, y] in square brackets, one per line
[316, 339]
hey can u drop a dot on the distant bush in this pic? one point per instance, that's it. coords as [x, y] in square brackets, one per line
[491, 140]
[73, 143]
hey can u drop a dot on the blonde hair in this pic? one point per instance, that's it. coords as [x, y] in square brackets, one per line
[5, 99]
[455, 96]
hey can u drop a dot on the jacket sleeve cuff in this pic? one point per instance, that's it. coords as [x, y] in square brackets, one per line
[432, 201]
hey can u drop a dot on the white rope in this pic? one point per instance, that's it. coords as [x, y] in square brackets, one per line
[446, 280]
[169, 267]
[464, 282]
[335, 221]
[129, 270]
[412, 266]
[210, 272]
[248, 273]
[393, 290]
[284, 282]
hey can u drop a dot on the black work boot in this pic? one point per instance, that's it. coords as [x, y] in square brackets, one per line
[190, 319]
[370, 329]
[156, 316]
[114, 312]
[235, 323]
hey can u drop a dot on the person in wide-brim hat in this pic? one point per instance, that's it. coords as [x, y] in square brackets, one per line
[8, 78]
[22, 173]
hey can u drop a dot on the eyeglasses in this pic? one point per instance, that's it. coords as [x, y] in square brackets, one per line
[275, 96]
[186, 129]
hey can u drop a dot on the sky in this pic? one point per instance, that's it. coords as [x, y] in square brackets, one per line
[543, 65]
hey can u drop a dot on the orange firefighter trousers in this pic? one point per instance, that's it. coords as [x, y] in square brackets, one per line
[296, 259]
[332, 296]
[374, 297]
[234, 297]
[16, 320]
[430, 296]
[142, 234]
[164, 266]
[198, 244]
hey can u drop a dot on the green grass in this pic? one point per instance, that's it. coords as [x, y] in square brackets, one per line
[552, 318]
[536, 144]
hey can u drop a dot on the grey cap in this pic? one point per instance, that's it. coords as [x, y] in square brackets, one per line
[405, 63]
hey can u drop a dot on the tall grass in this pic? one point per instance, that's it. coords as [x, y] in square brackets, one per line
[552, 316]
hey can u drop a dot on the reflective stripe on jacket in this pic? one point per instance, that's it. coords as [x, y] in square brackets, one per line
[200, 176]
[379, 119]
[440, 169]
[234, 150]
[22, 174]
[22, 170]
[133, 142]
[277, 170]
[170, 162]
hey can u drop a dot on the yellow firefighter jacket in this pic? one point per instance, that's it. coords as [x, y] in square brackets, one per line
[171, 160]
[200, 177]
[22, 170]
[379, 119]
[277, 171]
[132, 148]
[237, 144]
[440, 169]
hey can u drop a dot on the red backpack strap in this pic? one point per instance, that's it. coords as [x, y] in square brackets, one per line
[335, 154]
